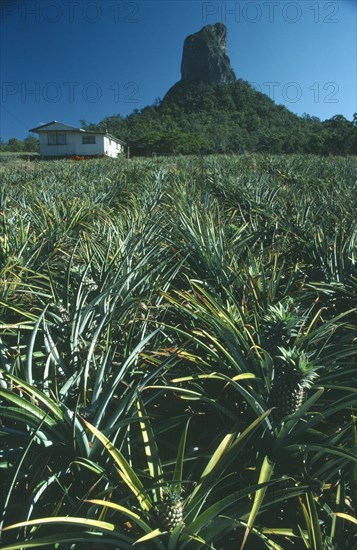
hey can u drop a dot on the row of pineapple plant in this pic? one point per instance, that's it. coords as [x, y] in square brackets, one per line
[142, 297]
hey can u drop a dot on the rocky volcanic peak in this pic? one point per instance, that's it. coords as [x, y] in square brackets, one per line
[205, 58]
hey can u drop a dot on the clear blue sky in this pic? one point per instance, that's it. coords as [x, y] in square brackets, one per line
[74, 59]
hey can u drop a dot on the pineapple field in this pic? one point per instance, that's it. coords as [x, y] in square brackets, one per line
[178, 353]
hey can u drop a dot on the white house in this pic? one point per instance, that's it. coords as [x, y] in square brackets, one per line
[60, 140]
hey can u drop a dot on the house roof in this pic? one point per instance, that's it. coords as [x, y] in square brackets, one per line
[56, 126]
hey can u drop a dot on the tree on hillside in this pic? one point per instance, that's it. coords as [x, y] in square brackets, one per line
[15, 145]
[31, 144]
[340, 136]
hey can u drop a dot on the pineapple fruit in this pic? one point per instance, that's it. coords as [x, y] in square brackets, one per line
[170, 509]
[293, 375]
[279, 327]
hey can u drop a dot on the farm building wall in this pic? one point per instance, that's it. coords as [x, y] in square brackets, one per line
[111, 147]
[72, 146]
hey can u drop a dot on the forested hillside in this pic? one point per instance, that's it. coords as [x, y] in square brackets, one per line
[229, 118]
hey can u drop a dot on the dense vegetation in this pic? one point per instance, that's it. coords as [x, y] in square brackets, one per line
[233, 118]
[200, 118]
[146, 309]
[15, 145]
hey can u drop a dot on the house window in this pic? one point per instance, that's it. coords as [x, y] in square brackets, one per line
[52, 140]
[56, 138]
[88, 139]
[61, 138]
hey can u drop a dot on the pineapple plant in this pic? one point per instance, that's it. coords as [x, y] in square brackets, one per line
[293, 375]
[170, 508]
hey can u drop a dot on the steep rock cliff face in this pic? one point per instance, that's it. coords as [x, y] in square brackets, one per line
[205, 58]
